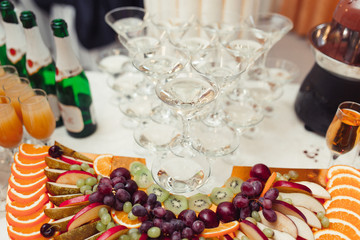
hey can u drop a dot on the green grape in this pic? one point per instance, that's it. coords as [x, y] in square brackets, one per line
[286, 176]
[102, 211]
[80, 182]
[278, 176]
[85, 166]
[131, 216]
[90, 170]
[124, 237]
[100, 227]
[84, 188]
[135, 235]
[236, 238]
[154, 232]
[293, 174]
[87, 192]
[95, 187]
[255, 215]
[279, 197]
[268, 232]
[75, 167]
[127, 207]
[288, 200]
[244, 238]
[325, 222]
[91, 181]
[133, 230]
[252, 220]
[202, 238]
[105, 218]
[320, 215]
[110, 225]
[99, 177]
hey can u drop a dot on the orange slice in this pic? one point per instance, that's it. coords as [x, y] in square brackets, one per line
[337, 169]
[102, 165]
[26, 196]
[24, 184]
[344, 227]
[344, 178]
[26, 173]
[25, 208]
[121, 218]
[23, 163]
[221, 230]
[328, 234]
[341, 201]
[344, 214]
[345, 190]
[28, 220]
[29, 233]
[32, 151]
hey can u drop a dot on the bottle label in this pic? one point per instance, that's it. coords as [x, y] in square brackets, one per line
[72, 118]
[15, 42]
[67, 73]
[54, 104]
[33, 66]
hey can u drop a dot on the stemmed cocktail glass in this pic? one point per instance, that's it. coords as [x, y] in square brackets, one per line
[7, 73]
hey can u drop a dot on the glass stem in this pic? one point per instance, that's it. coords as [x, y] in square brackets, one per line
[186, 130]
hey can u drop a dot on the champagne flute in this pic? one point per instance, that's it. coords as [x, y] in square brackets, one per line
[38, 117]
[7, 73]
[343, 133]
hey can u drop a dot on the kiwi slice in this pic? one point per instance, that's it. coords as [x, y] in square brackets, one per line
[234, 183]
[219, 195]
[161, 193]
[135, 167]
[143, 178]
[199, 202]
[176, 203]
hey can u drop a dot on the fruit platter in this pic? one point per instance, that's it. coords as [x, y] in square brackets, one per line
[58, 193]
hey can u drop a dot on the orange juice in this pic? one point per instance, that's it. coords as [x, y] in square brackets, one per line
[38, 118]
[6, 79]
[11, 129]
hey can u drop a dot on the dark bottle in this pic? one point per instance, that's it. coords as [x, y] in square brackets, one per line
[39, 63]
[3, 58]
[15, 39]
[72, 86]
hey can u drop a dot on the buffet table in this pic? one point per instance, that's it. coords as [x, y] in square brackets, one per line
[281, 140]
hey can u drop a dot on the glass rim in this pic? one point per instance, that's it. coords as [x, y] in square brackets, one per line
[109, 13]
[349, 104]
[8, 99]
[35, 91]
[23, 80]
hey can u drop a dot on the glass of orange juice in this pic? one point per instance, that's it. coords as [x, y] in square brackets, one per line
[7, 73]
[38, 117]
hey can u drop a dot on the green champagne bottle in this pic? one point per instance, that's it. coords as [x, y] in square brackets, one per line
[15, 39]
[72, 86]
[39, 63]
[3, 58]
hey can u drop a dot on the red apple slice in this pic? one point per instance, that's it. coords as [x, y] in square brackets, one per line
[81, 200]
[283, 224]
[311, 217]
[317, 190]
[71, 176]
[304, 200]
[278, 235]
[251, 230]
[291, 187]
[113, 233]
[71, 160]
[288, 209]
[85, 215]
[304, 230]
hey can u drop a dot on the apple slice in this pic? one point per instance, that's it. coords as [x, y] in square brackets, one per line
[304, 230]
[53, 173]
[283, 224]
[72, 161]
[288, 209]
[312, 219]
[72, 153]
[251, 230]
[239, 234]
[278, 235]
[71, 176]
[88, 213]
[317, 190]
[304, 200]
[291, 187]
[81, 200]
[113, 233]
[61, 189]
[61, 212]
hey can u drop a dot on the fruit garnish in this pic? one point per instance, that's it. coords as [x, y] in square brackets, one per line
[222, 229]
[121, 218]
[345, 227]
[102, 165]
[31, 151]
[269, 182]
[344, 178]
[328, 234]
[30, 164]
[336, 169]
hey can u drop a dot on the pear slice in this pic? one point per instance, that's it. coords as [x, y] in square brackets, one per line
[95, 236]
[61, 212]
[57, 200]
[72, 153]
[60, 224]
[79, 233]
[52, 173]
[61, 189]
[57, 163]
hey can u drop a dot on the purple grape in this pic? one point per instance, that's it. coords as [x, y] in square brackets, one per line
[198, 226]
[109, 200]
[106, 180]
[227, 212]
[47, 230]
[139, 211]
[267, 204]
[152, 198]
[148, 207]
[187, 233]
[119, 179]
[209, 218]
[269, 215]
[188, 216]
[258, 187]
[55, 151]
[145, 226]
[245, 212]
[120, 172]
[123, 195]
[240, 201]
[158, 222]
[157, 204]
[247, 189]
[144, 218]
[159, 212]
[119, 186]
[167, 228]
[260, 171]
[272, 194]
[104, 188]
[254, 205]
[169, 215]
[139, 197]
[96, 197]
[131, 186]
[118, 205]
[175, 236]
[178, 224]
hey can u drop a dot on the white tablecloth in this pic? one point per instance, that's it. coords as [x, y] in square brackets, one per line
[281, 140]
